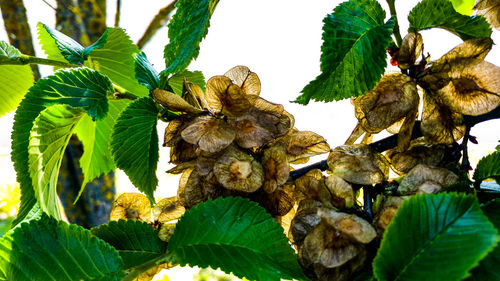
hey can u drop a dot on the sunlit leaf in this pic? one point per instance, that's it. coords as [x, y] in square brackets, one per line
[47, 249]
[488, 167]
[427, 233]
[81, 88]
[177, 80]
[440, 13]
[135, 144]
[463, 6]
[96, 138]
[48, 139]
[252, 244]
[136, 241]
[15, 80]
[187, 28]
[353, 54]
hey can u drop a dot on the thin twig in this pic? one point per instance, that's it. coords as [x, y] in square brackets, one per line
[158, 21]
[117, 14]
[48, 4]
[392, 141]
[25, 59]
[394, 15]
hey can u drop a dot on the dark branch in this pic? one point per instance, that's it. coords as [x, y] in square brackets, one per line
[392, 141]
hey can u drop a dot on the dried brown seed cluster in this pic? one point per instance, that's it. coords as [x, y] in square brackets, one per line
[230, 141]
[330, 243]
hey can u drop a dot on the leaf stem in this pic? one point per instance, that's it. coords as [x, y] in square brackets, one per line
[25, 59]
[394, 15]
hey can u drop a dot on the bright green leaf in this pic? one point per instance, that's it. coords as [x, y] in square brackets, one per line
[176, 82]
[50, 38]
[8, 51]
[47, 249]
[113, 54]
[488, 268]
[353, 54]
[187, 28]
[115, 57]
[464, 7]
[236, 235]
[48, 139]
[15, 80]
[96, 139]
[428, 231]
[440, 13]
[145, 72]
[487, 167]
[81, 88]
[135, 144]
[136, 241]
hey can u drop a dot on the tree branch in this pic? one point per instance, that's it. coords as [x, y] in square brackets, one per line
[392, 141]
[25, 59]
[18, 29]
[158, 21]
[118, 12]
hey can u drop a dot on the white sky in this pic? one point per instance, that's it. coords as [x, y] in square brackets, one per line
[280, 40]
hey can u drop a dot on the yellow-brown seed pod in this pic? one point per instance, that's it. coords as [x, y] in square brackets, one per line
[239, 171]
[210, 134]
[247, 80]
[166, 231]
[190, 191]
[392, 99]
[306, 218]
[131, 206]
[303, 144]
[358, 164]
[276, 168]
[349, 225]
[410, 49]
[337, 192]
[167, 209]
[426, 179]
[490, 9]
[308, 185]
[386, 212]
[419, 152]
[439, 124]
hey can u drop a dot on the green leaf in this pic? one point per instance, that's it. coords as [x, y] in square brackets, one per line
[488, 268]
[47, 249]
[113, 54]
[82, 88]
[134, 144]
[435, 237]
[136, 241]
[187, 28]
[8, 51]
[115, 57]
[145, 72]
[15, 80]
[48, 140]
[176, 82]
[96, 139]
[440, 13]
[487, 167]
[464, 7]
[353, 54]
[70, 50]
[236, 235]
